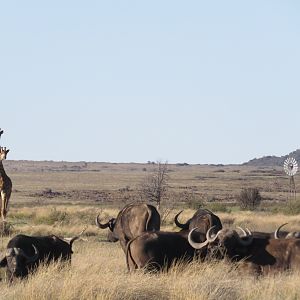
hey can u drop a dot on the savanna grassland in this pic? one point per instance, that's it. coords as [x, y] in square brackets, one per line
[63, 198]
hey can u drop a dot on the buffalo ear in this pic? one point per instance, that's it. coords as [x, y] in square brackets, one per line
[111, 224]
[3, 262]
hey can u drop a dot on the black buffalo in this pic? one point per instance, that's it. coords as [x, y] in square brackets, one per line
[263, 255]
[24, 253]
[285, 234]
[203, 219]
[159, 250]
[132, 220]
[277, 234]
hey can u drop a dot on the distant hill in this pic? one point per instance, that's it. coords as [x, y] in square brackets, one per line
[272, 160]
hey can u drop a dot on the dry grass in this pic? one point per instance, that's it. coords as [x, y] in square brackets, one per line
[207, 182]
[98, 269]
[98, 272]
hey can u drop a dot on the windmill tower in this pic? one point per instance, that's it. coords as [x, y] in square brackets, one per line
[290, 167]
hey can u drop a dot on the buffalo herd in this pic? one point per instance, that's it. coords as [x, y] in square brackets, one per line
[201, 237]
[137, 228]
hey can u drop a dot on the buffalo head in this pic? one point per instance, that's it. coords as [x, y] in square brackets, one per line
[225, 241]
[290, 235]
[18, 263]
[111, 236]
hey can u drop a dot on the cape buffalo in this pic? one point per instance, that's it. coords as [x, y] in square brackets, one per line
[24, 253]
[131, 221]
[264, 255]
[285, 234]
[157, 250]
[277, 234]
[203, 219]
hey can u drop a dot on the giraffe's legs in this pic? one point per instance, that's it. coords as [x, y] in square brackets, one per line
[6, 202]
[3, 205]
[3, 211]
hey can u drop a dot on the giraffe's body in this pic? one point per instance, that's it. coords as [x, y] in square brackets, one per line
[5, 185]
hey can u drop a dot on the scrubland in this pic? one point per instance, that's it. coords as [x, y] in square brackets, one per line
[98, 269]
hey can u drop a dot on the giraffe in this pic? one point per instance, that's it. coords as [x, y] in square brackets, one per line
[5, 185]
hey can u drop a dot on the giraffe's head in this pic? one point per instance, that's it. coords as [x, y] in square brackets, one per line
[3, 153]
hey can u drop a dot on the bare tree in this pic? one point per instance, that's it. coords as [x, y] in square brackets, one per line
[154, 188]
[249, 198]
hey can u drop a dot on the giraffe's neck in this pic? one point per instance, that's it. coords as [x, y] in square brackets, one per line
[2, 171]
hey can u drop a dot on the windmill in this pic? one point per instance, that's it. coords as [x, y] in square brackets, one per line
[290, 167]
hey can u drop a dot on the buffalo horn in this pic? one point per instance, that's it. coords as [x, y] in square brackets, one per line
[276, 233]
[196, 245]
[242, 230]
[35, 256]
[73, 239]
[248, 231]
[293, 235]
[178, 224]
[102, 226]
[209, 238]
[29, 259]
[248, 241]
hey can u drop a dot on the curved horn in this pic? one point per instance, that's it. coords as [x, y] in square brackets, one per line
[242, 230]
[178, 224]
[276, 236]
[102, 226]
[296, 234]
[31, 259]
[209, 237]
[195, 244]
[73, 239]
[245, 242]
[248, 231]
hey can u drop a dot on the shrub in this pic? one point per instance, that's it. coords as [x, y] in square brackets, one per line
[53, 217]
[249, 198]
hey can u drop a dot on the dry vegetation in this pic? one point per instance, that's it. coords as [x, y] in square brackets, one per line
[98, 269]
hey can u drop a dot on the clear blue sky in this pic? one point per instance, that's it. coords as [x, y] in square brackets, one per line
[132, 81]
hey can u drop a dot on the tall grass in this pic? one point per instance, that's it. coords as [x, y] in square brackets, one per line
[98, 269]
[98, 272]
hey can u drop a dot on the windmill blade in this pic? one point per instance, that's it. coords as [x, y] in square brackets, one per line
[290, 166]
